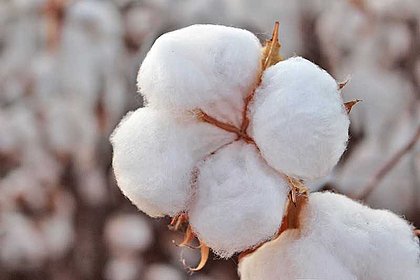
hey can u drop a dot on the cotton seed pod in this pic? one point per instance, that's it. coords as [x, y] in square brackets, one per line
[298, 119]
[199, 66]
[154, 155]
[239, 201]
[360, 242]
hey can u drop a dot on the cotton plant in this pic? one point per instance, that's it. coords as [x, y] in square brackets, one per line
[226, 142]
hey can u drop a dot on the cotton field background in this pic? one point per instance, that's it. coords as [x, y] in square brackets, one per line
[68, 75]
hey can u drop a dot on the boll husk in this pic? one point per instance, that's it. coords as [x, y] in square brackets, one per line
[339, 239]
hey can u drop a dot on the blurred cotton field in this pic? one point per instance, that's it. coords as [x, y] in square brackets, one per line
[68, 74]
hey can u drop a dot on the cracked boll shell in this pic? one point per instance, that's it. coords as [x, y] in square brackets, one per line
[298, 119]
[154, 155]
[239, 201]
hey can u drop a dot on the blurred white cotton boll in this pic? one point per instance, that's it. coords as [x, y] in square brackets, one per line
[89, 48]
[239, 201]
[123, 268]
[263, 17]
[154, 156]
[293, 258]
[21, 243]
[159, 271]
[128, 232]
[59, 235]
[298, 119]
[398, 190]
[397, 9]
[199, 66]
[366, 243]
[385, 94]
[371, 243]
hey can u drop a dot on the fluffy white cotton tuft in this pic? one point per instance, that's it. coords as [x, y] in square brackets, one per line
[298, 119]
[239, 201]
[154, 155]
[292, 258]
[370, 244]
[200, 65]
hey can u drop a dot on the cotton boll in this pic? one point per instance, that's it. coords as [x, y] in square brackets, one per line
[160, 271]
[128, 232]
[154, 155]
[398, 190]
[21, 242]
[264, 16]
[123, 268]
[219, 65]
[337, 28]
[298, 119]
[398, 9]
[59, 235]
[91, 41]
[386, 95]
[293, 258]
[239, 201]
[386, 246]
[366, 243]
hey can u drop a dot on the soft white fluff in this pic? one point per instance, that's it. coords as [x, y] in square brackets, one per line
[239, 201]
[289, 257]
[200, 65]
[298, 119]
[154, 155]
[361, 242]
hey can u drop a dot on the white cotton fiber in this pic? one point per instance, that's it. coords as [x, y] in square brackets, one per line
[239, 201]
[293, 258]
[298, 119]
[154, 155]
[370, 244]
[200, 65]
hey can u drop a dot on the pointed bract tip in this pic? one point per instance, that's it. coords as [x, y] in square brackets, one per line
[349, 105]
[275, 36]
[342, 84]
[205, 251]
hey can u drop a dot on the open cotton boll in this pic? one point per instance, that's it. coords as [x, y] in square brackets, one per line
[298, 119]
[158, 271]
[292, 258]
[373, 244]
[200, 65]
[239, 201]
[154, 155]
[128, 232]
[370, 244]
